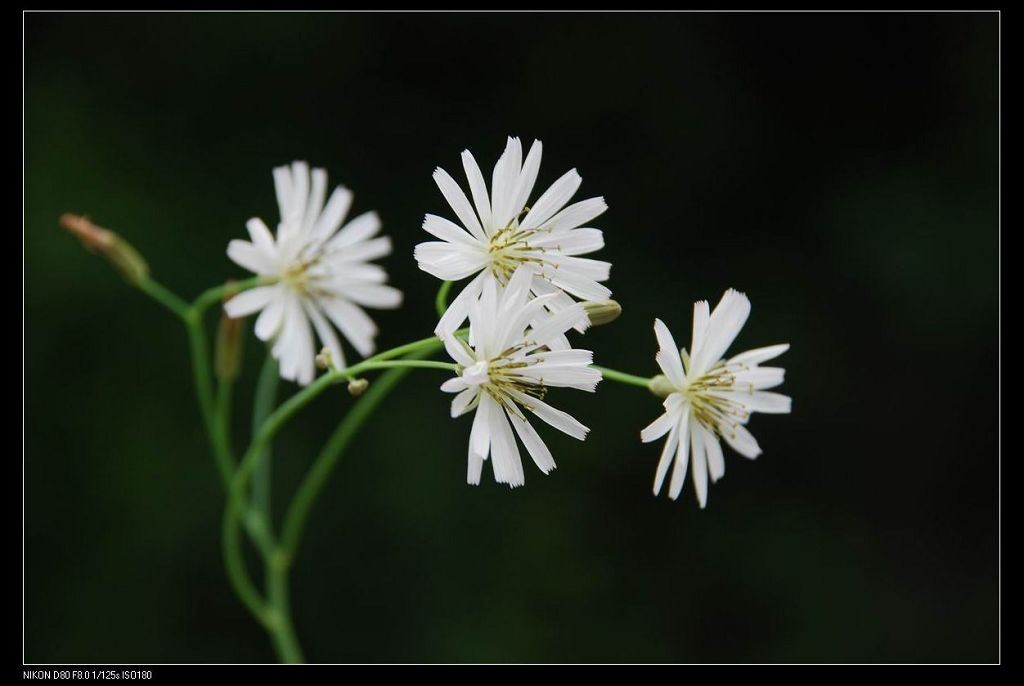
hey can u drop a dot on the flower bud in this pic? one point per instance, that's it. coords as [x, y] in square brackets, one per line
[227, 358]
[357, 386]
[124, 257]
[323, 359]
[661, 386]
[602, 312]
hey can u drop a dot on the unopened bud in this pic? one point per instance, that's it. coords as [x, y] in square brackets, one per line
[124, 257]
[323, 359]
[661, 386]
[602, 312]
[357, 386]
[227, 358]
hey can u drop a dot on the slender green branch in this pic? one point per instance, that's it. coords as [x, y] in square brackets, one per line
[165, 297]
[263, 405]
[305, 497]
[222, 415]
[441, 301]
[622, 377]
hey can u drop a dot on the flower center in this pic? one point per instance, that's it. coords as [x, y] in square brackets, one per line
[709, 399]
[498, 378]
[510, 247]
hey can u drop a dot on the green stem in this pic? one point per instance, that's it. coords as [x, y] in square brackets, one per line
[165, 297]
[622, 377]
[275, 616]
[305, 497]
[263, 405]
[441, 301]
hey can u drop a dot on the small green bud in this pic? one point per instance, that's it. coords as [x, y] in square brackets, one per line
[121, 254]
[661, 386]
[227, 357]
[602, 312]
[323, 359]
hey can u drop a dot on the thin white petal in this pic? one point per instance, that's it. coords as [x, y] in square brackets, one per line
[533, 442]
[675, 486]
[553, 199]
[247, 302]
[668, 354]
[457, 199]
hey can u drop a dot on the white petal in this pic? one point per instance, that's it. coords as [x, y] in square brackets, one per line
[505, 460]
[356, 233]
[741, 440]
[527, 178]
[766, 402]
[247, 302]
[463, 402]
[477, 187]
[556, 418]
[701, 315]
[270, 319]
[723, 326]
[553, 199]
[317, 193]
[667, 453]
[448, 261]
[333, 214]
[533, 442]
[758, 378]
[300, 194]
[503, 184]
[283, 190]
[575, 242]
[457, 199]
[364, 251]
[480, 434]
[668, 354]
[456, 349]
[354, 324]
[448, 231]
[664, 423]
[326, 334]
[759, 355]
[458, 309]
[558, 323]
[248, 256]
[675, 486]
[700, 473]
[716, 461]
[379, 296]
[577, 214]
[261, 236]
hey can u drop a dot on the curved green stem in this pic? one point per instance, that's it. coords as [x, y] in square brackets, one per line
[441, 301]
[305, 497]
[263, 405]
[622, 377]
[165, 297]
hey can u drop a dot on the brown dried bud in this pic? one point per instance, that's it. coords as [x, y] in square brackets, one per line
[121, 254]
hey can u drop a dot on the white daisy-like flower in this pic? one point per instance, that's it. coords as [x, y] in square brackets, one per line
[708, 397]
[508, 369]
[501, 234]
[321, 275]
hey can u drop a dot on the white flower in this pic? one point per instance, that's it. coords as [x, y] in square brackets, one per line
[496, 239]
[710, 398]
[508, 369]
[321, 274]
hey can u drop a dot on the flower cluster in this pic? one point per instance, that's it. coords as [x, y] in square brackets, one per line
[529, 285]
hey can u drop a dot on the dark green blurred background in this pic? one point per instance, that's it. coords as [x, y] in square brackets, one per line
[841, 169]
